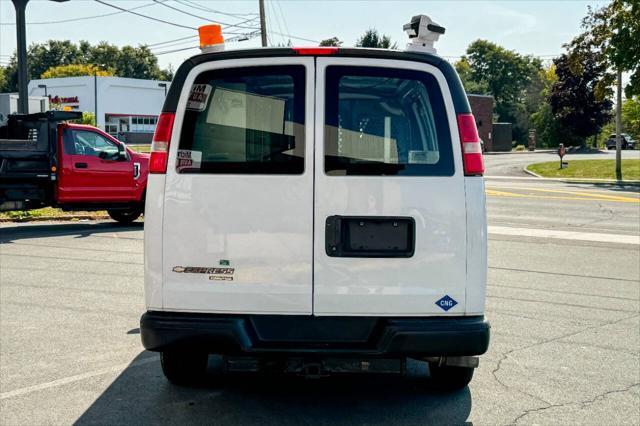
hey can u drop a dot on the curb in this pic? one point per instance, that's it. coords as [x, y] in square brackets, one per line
[583, 180]
[537, 151]
[53, 218]
[529, 172]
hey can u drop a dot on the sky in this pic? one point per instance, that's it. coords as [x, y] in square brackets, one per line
[529, 27]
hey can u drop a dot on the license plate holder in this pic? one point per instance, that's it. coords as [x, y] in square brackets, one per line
[370, 236]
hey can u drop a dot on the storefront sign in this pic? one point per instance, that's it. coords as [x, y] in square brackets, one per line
[63, 100]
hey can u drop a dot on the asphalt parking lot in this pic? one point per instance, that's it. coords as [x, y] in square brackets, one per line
[563, 299]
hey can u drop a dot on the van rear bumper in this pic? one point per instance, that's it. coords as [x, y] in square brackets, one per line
[290, 334]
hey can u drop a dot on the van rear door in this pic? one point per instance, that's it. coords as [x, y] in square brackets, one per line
[390, 224]
[238, 209]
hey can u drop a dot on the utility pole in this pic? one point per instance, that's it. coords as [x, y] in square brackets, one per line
[263, 24]
[619, 127]
[21, 36]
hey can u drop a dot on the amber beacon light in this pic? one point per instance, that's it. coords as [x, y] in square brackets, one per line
[211, 39]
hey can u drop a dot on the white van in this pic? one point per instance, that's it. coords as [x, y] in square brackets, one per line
[319, 209]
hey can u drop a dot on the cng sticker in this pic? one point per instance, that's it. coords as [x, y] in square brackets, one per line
[446, 302]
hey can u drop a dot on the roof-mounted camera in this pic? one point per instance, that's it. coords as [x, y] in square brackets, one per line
[423, 33]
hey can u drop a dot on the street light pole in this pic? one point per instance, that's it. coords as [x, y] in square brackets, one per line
[21, 36]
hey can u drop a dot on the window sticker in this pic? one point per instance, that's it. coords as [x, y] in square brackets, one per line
[188, 160]
[198, 97]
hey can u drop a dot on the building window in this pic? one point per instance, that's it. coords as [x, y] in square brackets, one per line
[143, 124]
[112, 129]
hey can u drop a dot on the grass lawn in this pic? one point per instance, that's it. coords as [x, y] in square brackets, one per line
[23, 215]
[141, 148]
[592, 169]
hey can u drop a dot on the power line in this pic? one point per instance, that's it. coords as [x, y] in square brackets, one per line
[194, 5]
[294, 37]
[284, 20]
[188, 39]
[81, 18]
[203, 18]
[146, 16]
[275, 19]
[171, 41]
[179, 43]
[233, 39]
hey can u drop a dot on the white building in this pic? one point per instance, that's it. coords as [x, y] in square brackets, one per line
[9, 105]
[127, 108]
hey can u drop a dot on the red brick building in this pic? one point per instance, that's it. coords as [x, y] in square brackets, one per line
[482, 108]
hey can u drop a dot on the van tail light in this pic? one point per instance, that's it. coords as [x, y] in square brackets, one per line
[471, 148]
[160, 143]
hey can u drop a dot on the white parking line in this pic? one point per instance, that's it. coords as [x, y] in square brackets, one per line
[565, 235]
[76, 378]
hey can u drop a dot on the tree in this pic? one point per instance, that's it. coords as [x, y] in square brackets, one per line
[103, 54]
[137, 62]
[612, 33]
[631, 116]
[549, 130]
[574, 99]
[333, 41]
[3, 79]
[41, 57]
[509, 77]
[470, 86]
[128, 61]
[88, 118]
[371, 38]
[75, 70]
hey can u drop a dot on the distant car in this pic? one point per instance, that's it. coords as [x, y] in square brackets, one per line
[627, 142]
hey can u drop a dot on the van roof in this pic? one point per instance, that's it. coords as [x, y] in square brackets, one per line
[460, 101]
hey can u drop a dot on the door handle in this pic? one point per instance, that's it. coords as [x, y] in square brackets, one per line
[81, 165]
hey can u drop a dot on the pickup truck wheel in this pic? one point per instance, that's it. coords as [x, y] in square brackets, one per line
[125, 216]
[446, 378]
[184, 368]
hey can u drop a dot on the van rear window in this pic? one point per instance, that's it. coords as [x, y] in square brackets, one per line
[244, 121]
[385, 121]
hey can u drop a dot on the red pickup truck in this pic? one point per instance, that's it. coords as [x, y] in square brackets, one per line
[45, 161]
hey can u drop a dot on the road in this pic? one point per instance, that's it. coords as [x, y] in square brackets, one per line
[513, 163]
[563, 299]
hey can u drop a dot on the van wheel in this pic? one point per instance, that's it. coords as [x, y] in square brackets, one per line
[184, 368]
[447, 378]
[125, 216]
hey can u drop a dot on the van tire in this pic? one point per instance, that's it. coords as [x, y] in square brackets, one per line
[445, 378]
[184, 368]
[125, 216]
